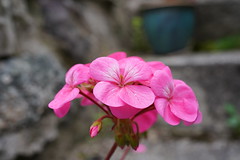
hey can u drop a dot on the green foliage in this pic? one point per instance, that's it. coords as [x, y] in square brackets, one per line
[233, 120]
[223, 44]
[139, 40]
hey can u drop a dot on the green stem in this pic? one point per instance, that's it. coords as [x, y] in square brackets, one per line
[112, 150]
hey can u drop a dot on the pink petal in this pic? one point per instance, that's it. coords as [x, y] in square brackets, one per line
[124, 112]
[118, 55]
[197, 121]
[141, 148]
[61, 112]
[156, 65]
[86, 102]
[65, 95]
[162, 84]
[134, 69]
[184, 103]
[137, 96]
[105, 69]
[108, 93]
[145, 121]
[169, 117]
[77, 74]
[160, 105]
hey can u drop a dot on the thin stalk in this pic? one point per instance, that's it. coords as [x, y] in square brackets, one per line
[143, 111]
[125, 153]
[88, 97]
[112, 150]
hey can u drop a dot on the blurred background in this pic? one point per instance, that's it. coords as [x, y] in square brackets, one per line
[41, 39]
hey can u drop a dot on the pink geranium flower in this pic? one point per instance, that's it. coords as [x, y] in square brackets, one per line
[146, 120]
[76, 75]
[175, 100]
[118, 82]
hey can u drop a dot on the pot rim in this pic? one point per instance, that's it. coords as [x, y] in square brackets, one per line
[148, 7]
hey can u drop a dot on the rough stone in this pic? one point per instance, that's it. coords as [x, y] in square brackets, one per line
[84, 29]
[27, 83]
[216, 20]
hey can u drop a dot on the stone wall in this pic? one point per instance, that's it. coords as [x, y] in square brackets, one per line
[39, 40]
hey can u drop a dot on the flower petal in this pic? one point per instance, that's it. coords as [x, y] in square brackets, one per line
[145, 121]
[184, 103]
[160, 105]
[108, 93]
[61, 112]
[134, 69]
[77, 74]
[105, 69]
[162, 84]
[141, 148]
[65, 95]
[197, 121]
[156, 65]
[137, 96]
[124, 112]
[118, 55]
[169, 117]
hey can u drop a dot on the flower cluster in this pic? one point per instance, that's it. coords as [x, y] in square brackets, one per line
[131, 92]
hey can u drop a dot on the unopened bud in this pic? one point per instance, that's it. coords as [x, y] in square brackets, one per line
[95, 128]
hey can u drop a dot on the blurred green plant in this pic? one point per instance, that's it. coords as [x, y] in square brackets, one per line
[233, 120]
[139, 40]
[223, 44]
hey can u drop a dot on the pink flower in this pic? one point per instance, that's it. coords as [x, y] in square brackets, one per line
[75, 76]
[145, 120]
[124, 112]
[141, 148]
[118, 55]
[175, 100]
[118, 79]
[95, 128]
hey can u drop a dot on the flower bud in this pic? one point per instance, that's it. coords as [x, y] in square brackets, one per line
[95, 128]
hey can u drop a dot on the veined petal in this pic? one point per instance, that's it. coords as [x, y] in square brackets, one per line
[65, 95]
[197, 121]
[118, 55]
[160, 105]
[134, 69]
[61, 112]
[184, 103]
[145, 120]
[184, 109]
[86, 102]
[170, 118]
[124, 112]
[77, 74]
[156, 65]
[162, 84]
[108, 93]
[182, 90]
[105, 69]
[137, 96]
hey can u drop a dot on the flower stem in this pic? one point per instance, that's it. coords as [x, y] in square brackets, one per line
[143, 111]
[112, 150]
[125, 153]
[91, 99]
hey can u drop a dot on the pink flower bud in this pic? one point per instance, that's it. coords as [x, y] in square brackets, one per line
[95, 128]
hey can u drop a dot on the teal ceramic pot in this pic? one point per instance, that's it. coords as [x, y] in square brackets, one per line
[169, 28]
